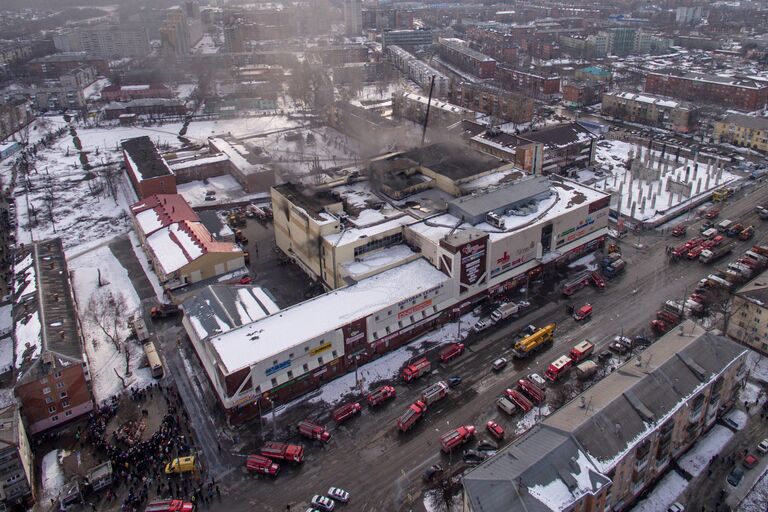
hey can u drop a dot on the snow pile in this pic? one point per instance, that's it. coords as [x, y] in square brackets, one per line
[29, 343]
[6, 320]
[531, 418]
[751, 393]
[103, 356]
[757, 366]
[739, 417]
[378, 260]
[664, 494]
[435, 502]
[697, 459]
[6, 354]
[52, 473]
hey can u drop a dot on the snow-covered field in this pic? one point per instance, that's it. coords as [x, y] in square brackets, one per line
[434, 502]
[697, 459]
[93, 303]
[664, 494]
[226, 187]
[649, 200]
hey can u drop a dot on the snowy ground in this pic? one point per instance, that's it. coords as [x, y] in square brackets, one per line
[148, 270]
[6, 354]
[664, 493]
[184, 91]
[532, 417]
[386, 367]
[697, 459]
[227, 190]
[757, 365]
[93, 91]
[103, 356]
[739, 417]
[434, 502]
[758, 497]
[52, 474]
[613, 156]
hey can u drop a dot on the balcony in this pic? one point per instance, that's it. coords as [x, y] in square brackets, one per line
[695, 414]
[641, 464]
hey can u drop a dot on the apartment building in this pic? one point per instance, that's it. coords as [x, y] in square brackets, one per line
[407, 38]
[459, 54]
[652, 110]
[604, 449]
[17, 465]
[531, 84]
[748, 323]
[14, 114]
[106, 40]
[741, 130]
[504, 105]
[408, 105]
[579, 94]
[53, 381]
[729, 92]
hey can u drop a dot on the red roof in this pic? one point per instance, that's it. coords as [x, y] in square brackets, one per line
[170, 208]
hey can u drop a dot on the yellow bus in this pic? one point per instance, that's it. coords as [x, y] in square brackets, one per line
[153, 360]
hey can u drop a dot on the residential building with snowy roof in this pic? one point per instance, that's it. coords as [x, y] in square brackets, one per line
[246, 167]
[726, 91]
[603, 449]
[181, 248]
[408, 105]
[749, 318]
[652, 110]
[53, 381]
[18, 486]
[146, 168]
[743, 130]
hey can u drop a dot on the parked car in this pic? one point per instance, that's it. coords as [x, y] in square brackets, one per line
[338, 494]
[481, 325]
[487, 446]
[324, 503]
[499, 364]
[454, 381]
[735, 476]
[763, 447]
[749, 461]
[730, 423]
[495, 429]
[676, 507]
[537, 379]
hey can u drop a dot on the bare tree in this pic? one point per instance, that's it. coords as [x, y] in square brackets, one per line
[106, 311]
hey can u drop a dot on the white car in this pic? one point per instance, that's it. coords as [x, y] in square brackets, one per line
[763, 446]
[499, 364]
[537, 379]
[338, 494]
[676, 507]
[481, 325]
[323, 503]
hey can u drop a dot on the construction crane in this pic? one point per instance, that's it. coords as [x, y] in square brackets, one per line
[429, 104]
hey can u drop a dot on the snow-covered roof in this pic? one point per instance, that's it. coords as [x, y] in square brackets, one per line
[220, 308]
[374, 261]
[161, 210]
[303, 322]
[239, 155]
[649, 98]
[181, 243]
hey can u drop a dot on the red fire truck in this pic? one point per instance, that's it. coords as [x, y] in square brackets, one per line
[170, 506]
[456, 437]
[577, 283]
[314, 431]
[519, 399]
[452, 351]
[262, 465]
[435, 392]
[416, 369]
[581, 351]
[531, 390]
[558, 368]
[415, 411]
[598, 280]
[346, 411]
[283, 451]
[381, 395]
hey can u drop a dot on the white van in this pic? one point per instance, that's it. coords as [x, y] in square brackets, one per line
[506, 405]
[710, 233]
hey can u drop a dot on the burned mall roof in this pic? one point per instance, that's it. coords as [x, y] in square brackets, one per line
[145, 158]
[453, 161]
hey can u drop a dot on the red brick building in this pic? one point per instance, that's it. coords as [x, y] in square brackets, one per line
[729, 92]
[134, 92]
[466, 59]
[579, 94]
[530, 84]
[53, 383]
[147, 170]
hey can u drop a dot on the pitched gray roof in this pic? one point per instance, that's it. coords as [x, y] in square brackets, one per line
[752, 122]
[507, 196]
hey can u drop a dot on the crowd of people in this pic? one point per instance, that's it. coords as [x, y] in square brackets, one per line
[141, 465]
